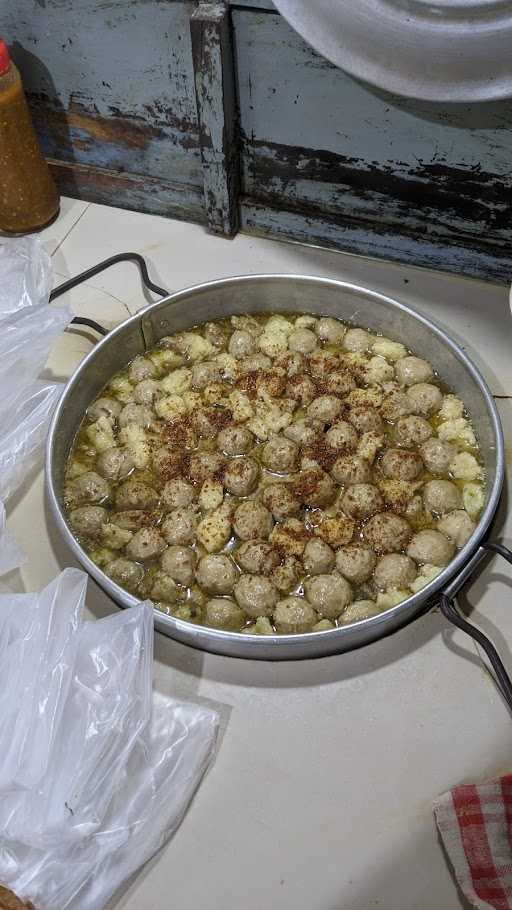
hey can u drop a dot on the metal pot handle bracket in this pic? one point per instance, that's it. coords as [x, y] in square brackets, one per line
[451, 613]
[100, 267]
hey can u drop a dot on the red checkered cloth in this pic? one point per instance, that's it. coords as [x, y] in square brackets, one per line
[475, 823]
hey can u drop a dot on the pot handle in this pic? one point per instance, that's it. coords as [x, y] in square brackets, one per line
[100, 267]
[451, 613]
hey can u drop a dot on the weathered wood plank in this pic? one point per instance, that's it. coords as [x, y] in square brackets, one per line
[217, 115]
[254, 4]
[129, 191]
[382, 242]
[111, 85]
[321, 151]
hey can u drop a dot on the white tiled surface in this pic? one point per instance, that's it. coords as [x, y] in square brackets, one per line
[321, 793]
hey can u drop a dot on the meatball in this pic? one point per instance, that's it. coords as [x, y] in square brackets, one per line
[204, 465]
[339, 382]
[286, 576]
[177, 493]
[425, 398]
[328, 594]
[365, 419]
[359, 610]
[138, 414]
[357, 340]
[222, 613]
[167, 462]
[350, 469]
[412, 431]
[115, 464]
[252, 521]
[280, 454]
[314, 488]
[163, 588]
[290, 537]
[318, 557]
[235, 440]
[216, 573]
[387, 533]
[254, 362]
[241, 344]
[441, 496]
[90, 487]
[411, 370]
[179, 563]
[304, 431]
[330, 330]
[134, 494]
[88, 520]
[256, 595]
[241, 476]
[395, 571]
[304, 341]
[355, 562]
[208, 421]
[342, 436]
[430, 547]
[205, 373]
[179, 527]
[301, 388]
[257, 557]
[395, 406]
[141, 368]
[132, 519]
[279, 499]
[146, 392]
[145, 544]
[294, 614]
[336, 530]
[362, 500]
[326, 408]
[458, 526]
[125, 573]
[437, 455]
[104, 407]
[214, 334]
[398, 464]
[321, 363]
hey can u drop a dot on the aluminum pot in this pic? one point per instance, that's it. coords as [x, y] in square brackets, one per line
[281, 294]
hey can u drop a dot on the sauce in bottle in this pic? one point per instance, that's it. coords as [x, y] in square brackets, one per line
[28, 196]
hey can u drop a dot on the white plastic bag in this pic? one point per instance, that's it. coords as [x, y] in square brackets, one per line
[107, 769]
[11, 555]
[27, 275]
[38, 640]
[28, 328]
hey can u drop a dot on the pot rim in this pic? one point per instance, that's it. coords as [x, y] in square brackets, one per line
[292, 647]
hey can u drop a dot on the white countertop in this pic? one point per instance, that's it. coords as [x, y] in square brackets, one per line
[320, 796]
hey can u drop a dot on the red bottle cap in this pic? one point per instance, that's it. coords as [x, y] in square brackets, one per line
[5, 60]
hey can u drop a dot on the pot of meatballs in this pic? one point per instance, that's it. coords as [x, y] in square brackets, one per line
[287, 467]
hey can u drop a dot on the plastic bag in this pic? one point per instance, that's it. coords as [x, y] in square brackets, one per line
[27, 275]
[108, 770]
[28, 329]
[11, 555]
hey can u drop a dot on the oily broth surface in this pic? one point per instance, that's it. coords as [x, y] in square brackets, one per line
[190, 600]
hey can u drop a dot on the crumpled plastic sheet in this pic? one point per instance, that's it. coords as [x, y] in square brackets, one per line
[26, 270]
[28, 328]
[98, 772]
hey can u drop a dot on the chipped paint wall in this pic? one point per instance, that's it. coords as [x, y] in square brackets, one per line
[131, 113]
[328, 159]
